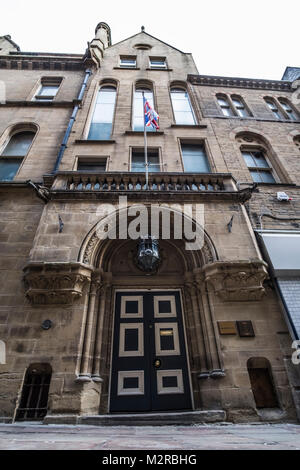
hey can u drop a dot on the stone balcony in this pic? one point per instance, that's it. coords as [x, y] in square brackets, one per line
[83, 185]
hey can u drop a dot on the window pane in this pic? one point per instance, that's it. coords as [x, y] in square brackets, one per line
[128, 62]
[222, 102]
[260, 160]
[267, 177]
[237, 103]
[101, 126]
[138, 162]
[19, 144]
[8, 168]
[138, 109]
[97, 167]
[248, 159]
[227, 111]
[157, 63]
[48, 90]
[182, 107]
[195, 159]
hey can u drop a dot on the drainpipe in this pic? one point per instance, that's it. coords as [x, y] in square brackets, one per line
[72, 120]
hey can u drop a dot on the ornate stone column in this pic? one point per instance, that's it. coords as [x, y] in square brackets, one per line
[200, 356]
[213, 348]
[96, 375]
[86, 359]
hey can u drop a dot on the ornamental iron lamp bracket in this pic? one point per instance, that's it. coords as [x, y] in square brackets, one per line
[148, 255]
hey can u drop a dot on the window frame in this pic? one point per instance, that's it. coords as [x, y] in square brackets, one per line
[243, 106]
[91, 160]
[158, 67]
[128, 58]
[149, 149]
[230, 106]
[89, 121]
[270, 169]
[269, 100]
[285, 102]
[184, 90]
[200, 143]
[147, 87]
[6, 140]
[44, 82]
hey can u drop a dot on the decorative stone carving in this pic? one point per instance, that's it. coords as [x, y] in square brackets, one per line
[237, 280]
[90, 248]
[55, 283]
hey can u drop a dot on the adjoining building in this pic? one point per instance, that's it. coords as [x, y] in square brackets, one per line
[98, 322]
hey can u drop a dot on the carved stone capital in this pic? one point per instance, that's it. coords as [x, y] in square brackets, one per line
[237, 280]
[55, 283]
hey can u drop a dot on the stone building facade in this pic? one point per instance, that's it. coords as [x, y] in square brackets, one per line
[86, 331]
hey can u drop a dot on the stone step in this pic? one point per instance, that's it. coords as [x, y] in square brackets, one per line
[155, 419]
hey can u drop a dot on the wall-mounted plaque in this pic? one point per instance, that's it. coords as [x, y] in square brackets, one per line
[227, 328]
[245, 328]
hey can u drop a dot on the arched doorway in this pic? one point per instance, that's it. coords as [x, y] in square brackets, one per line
[148, 338]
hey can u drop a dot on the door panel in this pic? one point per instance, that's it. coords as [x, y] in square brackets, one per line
[149, 366]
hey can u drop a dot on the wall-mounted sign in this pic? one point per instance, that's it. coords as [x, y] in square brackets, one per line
[227, 328]
[245, 328]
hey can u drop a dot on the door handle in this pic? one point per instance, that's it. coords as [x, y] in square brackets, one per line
[157, 363]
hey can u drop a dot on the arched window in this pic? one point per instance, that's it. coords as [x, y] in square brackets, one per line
[255, 154]
[274, 108]
[182, 108]
[13, 153]
[290, 112]
[225, 105]
[102, 120]
[240, 106]
[261, 380]
[34, 398]
[138, 107]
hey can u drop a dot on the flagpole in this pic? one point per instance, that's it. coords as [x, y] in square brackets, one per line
[145, 143]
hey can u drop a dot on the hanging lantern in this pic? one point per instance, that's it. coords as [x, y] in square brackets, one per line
[148, 256]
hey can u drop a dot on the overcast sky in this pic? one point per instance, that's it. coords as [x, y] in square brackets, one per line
[255, 39]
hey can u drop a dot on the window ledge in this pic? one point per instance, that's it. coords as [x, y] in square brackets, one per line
[159, 69]
[142, 133]
[277, 184]
[127, 68]
[39, 103]
[190, 126]
[250, 118]
[86, 141]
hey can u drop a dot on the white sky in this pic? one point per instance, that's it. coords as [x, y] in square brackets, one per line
[255, 39]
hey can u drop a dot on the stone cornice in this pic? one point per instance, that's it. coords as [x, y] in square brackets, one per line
[235, 82]
[39, 62]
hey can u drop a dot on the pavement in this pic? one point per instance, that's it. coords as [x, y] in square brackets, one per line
[29, 436]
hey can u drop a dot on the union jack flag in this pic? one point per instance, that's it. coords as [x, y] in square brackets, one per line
[151, 116]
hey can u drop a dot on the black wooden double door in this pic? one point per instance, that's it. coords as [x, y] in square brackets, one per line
[149, 363]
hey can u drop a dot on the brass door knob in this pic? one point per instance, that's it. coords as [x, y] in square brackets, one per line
[157, 363]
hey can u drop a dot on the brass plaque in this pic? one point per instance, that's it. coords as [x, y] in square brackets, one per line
[245, 328]
[227, 327]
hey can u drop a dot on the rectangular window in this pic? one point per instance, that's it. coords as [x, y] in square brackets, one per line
[240, 107]
[195, 158]
[158, 63]
[225, 106]
[128, 62]
[138, 160]
[182, 107]
[258, 167]
[102, 120]
[96, 166]
[48, 89]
